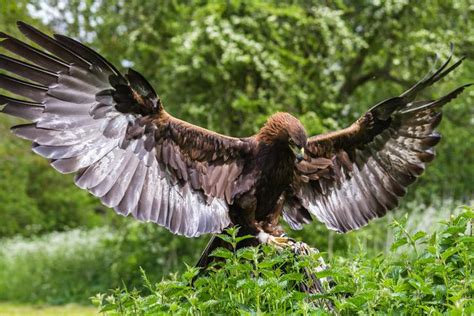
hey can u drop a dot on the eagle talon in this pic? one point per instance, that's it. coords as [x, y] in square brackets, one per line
[289, 238]
[279, 242]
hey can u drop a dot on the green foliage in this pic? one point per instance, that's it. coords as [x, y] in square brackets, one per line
[74, 265]
[138, 245]
[71, 266]
[55, 268]
[248, 281]
[422, 274]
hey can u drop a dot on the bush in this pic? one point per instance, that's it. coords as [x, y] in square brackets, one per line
[422, 274]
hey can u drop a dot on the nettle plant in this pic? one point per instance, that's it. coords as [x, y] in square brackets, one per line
[422, 273]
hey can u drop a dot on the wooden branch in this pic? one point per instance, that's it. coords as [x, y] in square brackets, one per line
[383, 73]
[351, 82]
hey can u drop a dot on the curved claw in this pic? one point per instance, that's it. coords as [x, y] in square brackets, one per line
[289, 238]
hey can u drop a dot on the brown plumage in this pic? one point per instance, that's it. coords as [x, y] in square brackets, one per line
[113, 132]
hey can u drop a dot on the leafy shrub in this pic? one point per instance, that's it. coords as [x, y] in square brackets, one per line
[138, 245]
[422, 274]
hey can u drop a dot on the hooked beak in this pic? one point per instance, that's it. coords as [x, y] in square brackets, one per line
[299, 153]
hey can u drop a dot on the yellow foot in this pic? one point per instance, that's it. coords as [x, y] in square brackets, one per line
[278, 242]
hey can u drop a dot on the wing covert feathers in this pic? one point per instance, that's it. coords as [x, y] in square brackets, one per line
[359, 173]
[112, 131]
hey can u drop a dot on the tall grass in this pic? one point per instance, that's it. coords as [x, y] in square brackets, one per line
[71, 266]
[56, 268]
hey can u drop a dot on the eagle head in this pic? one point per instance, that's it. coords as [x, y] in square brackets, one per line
[284, 129]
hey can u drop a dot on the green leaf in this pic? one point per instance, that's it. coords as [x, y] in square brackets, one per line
[239, 239]
[419, 235]
[225, 238]
[324, 273]
[293, 276]
[449, 252]
[222, 253]
[466, 239]
[246, 253]
[400, 242]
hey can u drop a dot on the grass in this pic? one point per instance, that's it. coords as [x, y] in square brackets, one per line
[58, 268]
[71, 266]
[11, 309]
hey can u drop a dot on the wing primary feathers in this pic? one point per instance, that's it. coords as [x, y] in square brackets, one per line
[439, 102]
[22, 88]
[384, 109]
[52, 45]
[85, 51]
[27, 71]
[32, 54]
[113, 132]
[411, 93]
[390, 145]
[22, 109]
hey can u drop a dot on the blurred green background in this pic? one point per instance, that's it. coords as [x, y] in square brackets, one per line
[226, 66]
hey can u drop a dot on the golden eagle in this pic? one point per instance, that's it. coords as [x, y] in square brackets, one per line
[114, 133]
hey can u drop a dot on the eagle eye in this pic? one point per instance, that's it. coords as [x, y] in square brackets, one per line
[293, 143]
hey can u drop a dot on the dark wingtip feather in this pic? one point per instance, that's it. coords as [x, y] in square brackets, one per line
[20, 23]
[139, 82]
[20, 108]
[27, 71]
[22, 88]
[26, 28]
[451, 68]
[430, 79]
[441, 101]
[86, 52]
[25, 131]
[52, 45]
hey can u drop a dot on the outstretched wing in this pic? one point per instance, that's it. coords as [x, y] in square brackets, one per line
[356, 174]
[114, 133]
